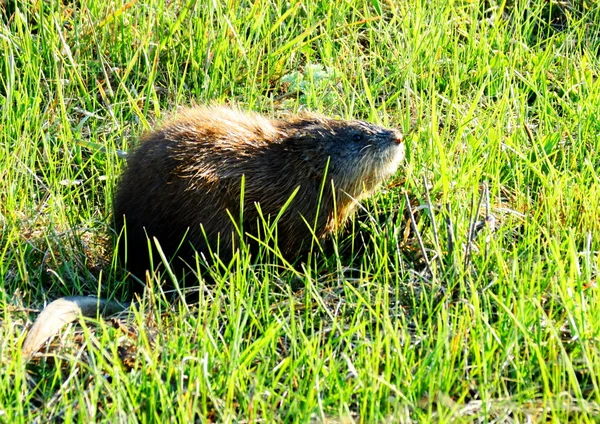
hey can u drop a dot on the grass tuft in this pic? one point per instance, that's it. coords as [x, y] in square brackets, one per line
[398, 319]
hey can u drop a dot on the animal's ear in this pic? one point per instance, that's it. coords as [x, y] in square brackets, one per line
[306, 135]
[300, 135]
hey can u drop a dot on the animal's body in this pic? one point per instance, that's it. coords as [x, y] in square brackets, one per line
[210, 176]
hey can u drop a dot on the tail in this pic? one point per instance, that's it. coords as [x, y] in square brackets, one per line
[63, 311]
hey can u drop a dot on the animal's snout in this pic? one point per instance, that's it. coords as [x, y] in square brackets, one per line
[397, 136]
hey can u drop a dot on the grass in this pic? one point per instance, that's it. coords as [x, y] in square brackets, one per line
[503, 95]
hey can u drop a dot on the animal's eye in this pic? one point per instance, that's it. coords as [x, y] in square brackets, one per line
[356, 137]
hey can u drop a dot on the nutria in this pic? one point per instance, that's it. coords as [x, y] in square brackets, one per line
[184, 184]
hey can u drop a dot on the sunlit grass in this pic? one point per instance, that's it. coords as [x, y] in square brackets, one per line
[489, 95]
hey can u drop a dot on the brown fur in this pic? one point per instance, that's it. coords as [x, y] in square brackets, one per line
[185, 180]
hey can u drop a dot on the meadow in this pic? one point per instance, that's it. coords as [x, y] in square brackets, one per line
[481, 307]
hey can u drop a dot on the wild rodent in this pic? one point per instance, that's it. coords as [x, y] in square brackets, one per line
[185, 179]
[183, 186]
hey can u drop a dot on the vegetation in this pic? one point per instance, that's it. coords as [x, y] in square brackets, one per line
[499, 101]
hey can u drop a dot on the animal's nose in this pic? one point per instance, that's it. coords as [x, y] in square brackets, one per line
[397, 136]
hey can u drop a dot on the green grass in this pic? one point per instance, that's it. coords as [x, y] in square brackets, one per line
[498, 95]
